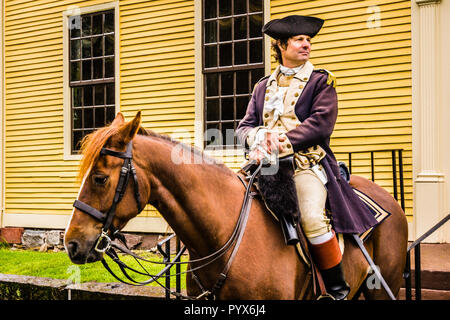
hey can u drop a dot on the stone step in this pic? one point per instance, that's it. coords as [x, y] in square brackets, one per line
[427, 294]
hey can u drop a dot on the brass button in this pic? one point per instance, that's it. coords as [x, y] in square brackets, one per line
[288, 146]
[279, 124]
[267, 98]
[266, 115]
[300, 86]
[305, 79]
[292, 103]
[267, 91]
[296, 94]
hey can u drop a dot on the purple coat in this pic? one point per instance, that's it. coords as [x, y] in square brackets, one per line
[317, 110]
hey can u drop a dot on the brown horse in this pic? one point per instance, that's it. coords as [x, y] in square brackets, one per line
[201, 201]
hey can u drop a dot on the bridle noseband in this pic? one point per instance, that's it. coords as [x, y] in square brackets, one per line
[104, 241]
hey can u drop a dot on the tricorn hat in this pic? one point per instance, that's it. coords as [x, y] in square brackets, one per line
[293, 25]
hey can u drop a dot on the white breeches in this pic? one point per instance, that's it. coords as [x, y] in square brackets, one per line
[312, 196]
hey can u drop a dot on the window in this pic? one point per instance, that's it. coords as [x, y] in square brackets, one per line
[91, 73]
[233, 61]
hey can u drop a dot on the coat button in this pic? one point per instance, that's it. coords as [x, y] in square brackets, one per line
[292, 103]
[300, 86]
[267, 98]
[289, 146]
[305, 79]
[266, 115]
[296, 94]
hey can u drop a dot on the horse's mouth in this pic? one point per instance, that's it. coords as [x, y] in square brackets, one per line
[80, 255]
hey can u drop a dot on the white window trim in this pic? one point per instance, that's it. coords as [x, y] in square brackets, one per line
[74, 11]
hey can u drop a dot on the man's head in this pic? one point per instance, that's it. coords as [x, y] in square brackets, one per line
[292, 38]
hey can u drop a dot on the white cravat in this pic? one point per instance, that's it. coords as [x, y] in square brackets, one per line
[275, 103]
[290, 71]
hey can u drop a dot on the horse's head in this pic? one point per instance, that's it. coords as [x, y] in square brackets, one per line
[106, 153]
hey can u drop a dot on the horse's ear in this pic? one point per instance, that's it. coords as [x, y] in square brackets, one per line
[129, 130]
[118, 120]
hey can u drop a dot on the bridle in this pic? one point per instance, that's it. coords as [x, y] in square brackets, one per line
[106, 245]
[126, 172]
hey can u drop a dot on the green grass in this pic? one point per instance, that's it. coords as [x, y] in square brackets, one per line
[57, 265]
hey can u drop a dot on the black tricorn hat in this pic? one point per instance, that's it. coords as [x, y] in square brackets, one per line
[293, 25]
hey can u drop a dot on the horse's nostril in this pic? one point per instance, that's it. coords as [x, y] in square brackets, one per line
[72, 248]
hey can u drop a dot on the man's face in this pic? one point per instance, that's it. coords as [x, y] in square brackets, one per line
[297, 51]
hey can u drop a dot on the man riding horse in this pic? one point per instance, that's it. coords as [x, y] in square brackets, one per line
[292, 112]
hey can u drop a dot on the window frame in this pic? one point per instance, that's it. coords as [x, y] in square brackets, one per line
[263, 65]
[67, 104]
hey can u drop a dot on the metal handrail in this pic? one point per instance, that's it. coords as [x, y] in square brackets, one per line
[417, 263]
[166, 259]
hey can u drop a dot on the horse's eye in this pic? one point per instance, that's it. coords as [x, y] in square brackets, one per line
[100, 180]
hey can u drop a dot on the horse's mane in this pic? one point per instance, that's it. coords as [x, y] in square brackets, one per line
[92, 144]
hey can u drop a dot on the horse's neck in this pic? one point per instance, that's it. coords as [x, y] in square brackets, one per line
[200, 202]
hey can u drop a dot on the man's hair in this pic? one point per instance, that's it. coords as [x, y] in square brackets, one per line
[277, 54]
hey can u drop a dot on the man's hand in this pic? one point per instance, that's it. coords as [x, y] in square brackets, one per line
[271, 143]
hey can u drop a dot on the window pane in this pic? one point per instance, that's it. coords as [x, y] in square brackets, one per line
[86, 26]
[86, 48]
[225, 54]
[228, 133]
[99, 95]
[97, 46]
[88, 118]
[98, 68]
[224, 8]
[226, 83]
[210, 31]
[212, 110]
[75, 49]
[76, 138]
[227, 109]
[76, 96]
[75, 71]
[97, 24]
[240, 52]
[110, 97]
[87, 96]
[109, 67]
[77, 118]
[255, 25]
[255, 5]
[240, 6]
[110, 114]
[75, 26]
[210, 8]
[109, 45]
[242, 81]
[256, 74]
[212, 84]
[210, 56]
[99, 117]
[241, 107]
[225, 29]
[256, 51]
[240, 28]
[109, 22]
[213, 136]
[87, 70]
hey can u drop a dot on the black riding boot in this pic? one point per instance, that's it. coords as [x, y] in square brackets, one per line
[335, 282]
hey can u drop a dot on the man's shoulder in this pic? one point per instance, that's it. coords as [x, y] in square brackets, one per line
[324, 73]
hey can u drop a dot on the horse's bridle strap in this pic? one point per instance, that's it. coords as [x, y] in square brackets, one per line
[100, 216]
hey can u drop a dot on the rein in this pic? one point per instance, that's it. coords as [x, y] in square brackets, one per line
[104, 243]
